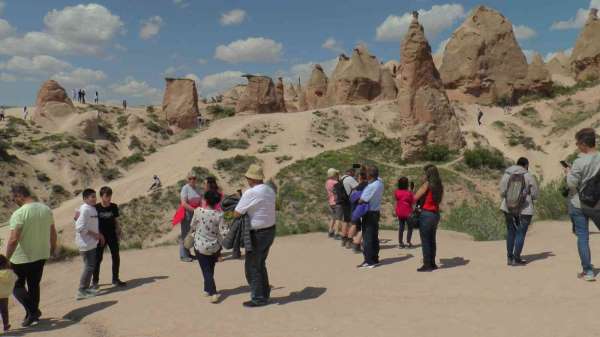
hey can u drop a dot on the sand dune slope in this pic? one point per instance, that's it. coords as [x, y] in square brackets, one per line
[319, 292]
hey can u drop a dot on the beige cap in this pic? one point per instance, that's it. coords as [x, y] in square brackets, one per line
[255, 172]
[332, 172]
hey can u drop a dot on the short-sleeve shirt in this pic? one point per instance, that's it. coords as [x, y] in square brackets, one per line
[259, 203]
[349, 184]
[329, 185]
[191, 195]
[107, 218]
[34, 221]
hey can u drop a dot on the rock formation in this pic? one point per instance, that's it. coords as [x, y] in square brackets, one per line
[260, 96]
[291, 98]
[393, 66]
[232, 96]
[180, 103]
[483, 58]
[280, 93]
[316, 90]
[52, 101]
[426, 116]
[538, 76]
[560, 70]
[387, 82]
[355, 80]
[585, 60]
[302, 104]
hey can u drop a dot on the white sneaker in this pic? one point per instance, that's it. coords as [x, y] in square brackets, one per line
[362, 265]
[83, 294]
[214, 298]
[92, 291]
[205, 294]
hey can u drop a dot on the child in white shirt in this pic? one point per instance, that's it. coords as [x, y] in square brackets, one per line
[87, 237]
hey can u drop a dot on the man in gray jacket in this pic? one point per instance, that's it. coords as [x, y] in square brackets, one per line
[517, 225]
[584, 168]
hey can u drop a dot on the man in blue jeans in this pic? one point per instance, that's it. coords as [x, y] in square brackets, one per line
[372, 195]
[517, 225]
[583, 169]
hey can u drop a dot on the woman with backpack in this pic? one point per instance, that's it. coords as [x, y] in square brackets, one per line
[404, 205]
[518, 190]
[432, 192]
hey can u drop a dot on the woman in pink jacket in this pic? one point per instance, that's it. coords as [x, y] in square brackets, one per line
[404, 206]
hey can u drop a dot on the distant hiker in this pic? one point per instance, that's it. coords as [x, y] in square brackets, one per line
[355, 231]
[2, 113]
[25, 112]
[336, 213]
[83, 96]
[432, 192]
[207, 224]
[156, 184]
[88, 237]
[108, 212]
[96, 98]
[124, 105]
[479, 115]
[31, 240]
[191, 198]
[200, 121]
[258, 203]
[372, 195]
[7, 284]
[518, 190]
[348, 183]
[583, 179]
[404, 205]
[79, 95]
[74, 94]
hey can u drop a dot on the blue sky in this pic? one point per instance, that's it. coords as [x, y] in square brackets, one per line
[124, 49]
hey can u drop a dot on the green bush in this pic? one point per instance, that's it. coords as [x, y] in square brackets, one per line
[235, 166]
[551, 205]
[150, 109]
[219, 111]
[4, 156]
[226, 144]
[135, 143]
[481, 157]
[122, 121]
[135, 158]
[436, 152]
[110, 174]
[153, 127]
[482, 220]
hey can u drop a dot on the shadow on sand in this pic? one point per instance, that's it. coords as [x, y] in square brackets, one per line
[308, 293]
[70, 318]
[393, 260]
[132, 284]
[453, 262]
[537, 257]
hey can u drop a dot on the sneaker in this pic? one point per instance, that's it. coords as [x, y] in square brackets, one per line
[214, 298]
[349, 244]
[519, 262]
[330, 234]
[368, 266]
[186, 259]
[29, 321]
[119, 283]
[510, 261]
[587, 276]
[362, 265]
[356, 248]
[92, 292]
[81, 295]
[410, 246]
[425, 268]
[253, 304]
[337, 237]
[205, 294]
[7, 327]
[401, 246]
[95, 286]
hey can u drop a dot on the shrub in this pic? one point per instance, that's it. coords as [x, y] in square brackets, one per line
[153, 127]
[482, 220]
[58, 189]
[226, 144]
[480, 157]
[436, 152]
[135, 143]
[281, 159]
[551, 205]
[122, 121]
[126, 162]
[150, 109]
[268, 148]
[235, 166]
[4, 156]
[42, 177]
[219, 111]
[110, 174]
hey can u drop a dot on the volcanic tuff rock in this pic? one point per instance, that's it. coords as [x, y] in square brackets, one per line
[483, 58]
[231, 96]
[355, 80]
[538, 76]
[426, 116]
[585, 60]
[280, 93]
[316, 90]
[52, 101]
[260, 96]
[389, 89]
[180, 103]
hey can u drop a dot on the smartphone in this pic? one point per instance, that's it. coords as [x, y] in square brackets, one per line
[356, 166]
[564, 164]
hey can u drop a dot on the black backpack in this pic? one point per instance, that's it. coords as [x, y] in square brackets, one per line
[589, 195]
[341, 197]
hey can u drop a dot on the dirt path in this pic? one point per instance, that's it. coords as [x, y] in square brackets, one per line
[319, 292]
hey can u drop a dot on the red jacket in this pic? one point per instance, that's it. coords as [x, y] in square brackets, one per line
[404, 202]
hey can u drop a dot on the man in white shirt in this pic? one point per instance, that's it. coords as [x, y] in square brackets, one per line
[349, 183]
[259, 204]
[87, 237]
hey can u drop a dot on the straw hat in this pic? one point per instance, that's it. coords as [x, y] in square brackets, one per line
[255, 172]
[332, 172]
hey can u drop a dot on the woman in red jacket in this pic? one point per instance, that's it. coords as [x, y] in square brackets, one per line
[404, 203]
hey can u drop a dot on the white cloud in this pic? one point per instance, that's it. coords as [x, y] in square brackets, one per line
[579, 20]
[233, 17]
[172, 71]
[79, 77]
[435, 20]
[131, 87]
[37, 65]
[442, 47]
[181, 3]
[81, 29]
[253, 49]
[214, 84]
[523, 32]
[5, 29]
[202, 61]
[303, 70]
[333, 44]
[2, 5]
[151, 27]
[4, 77]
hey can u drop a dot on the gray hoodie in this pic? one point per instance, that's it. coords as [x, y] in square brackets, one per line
[529, 180]
[584, 168]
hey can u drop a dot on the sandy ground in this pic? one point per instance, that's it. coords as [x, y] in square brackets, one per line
[319, 292]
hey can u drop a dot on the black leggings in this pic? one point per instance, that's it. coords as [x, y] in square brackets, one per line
[402, 224]
[4, 311]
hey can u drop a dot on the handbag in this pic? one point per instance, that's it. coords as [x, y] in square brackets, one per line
[413, 219]
[188, 241]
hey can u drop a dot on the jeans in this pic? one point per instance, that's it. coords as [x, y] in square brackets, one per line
[255, 264]
[30, 273]
[185, 228]
[581, 224]
[516, 230]
[370, 229]
[428, 223]
[207, 265]
[89, 265]
[113, 244]
[4, 311]
[402, 223]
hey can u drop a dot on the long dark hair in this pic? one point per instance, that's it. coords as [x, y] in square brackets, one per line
[403, 183]
[435, 183]
[211, 183]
